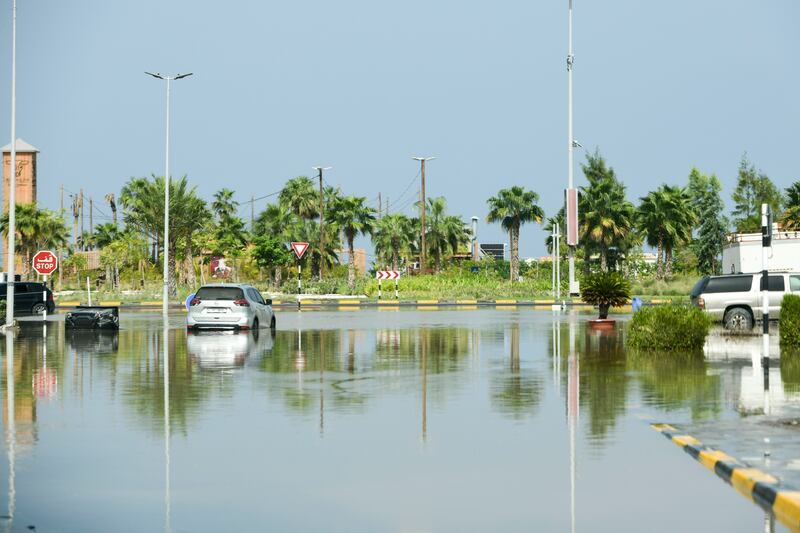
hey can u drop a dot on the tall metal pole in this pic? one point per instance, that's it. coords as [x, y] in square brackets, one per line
[570, 141]
[165, 293]
[422, 248]
[12, 172]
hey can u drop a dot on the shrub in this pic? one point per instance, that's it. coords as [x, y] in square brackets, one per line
[790, 321]
[605, 289]
[668, 328]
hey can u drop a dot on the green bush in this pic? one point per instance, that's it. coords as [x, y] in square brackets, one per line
[668, 328]
[605, 289]
[790, 321]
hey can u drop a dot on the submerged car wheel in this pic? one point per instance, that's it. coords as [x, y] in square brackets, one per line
[38, 309]
[255, 323]
[272, 324]
[738, 319]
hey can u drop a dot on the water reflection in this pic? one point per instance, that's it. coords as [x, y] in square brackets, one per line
[387, 386]
[517, 389]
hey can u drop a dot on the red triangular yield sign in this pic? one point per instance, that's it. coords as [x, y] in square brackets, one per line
[299, 248]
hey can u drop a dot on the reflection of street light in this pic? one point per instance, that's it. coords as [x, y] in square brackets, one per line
[168, 79]
[12, 175]
[11, 431]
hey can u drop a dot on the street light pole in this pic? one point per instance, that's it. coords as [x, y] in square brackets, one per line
[572, 230]
[12, 176]
[422, 249]
[319, 170]
[165, 294]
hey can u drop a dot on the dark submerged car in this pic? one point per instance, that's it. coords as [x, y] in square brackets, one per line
[92, 317]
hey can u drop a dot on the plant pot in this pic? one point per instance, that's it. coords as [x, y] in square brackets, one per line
[603, 324]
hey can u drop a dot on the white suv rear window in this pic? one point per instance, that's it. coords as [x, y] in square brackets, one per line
[219, 293]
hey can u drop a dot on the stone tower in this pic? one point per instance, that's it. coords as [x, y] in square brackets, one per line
[26, 173]
[26, 178]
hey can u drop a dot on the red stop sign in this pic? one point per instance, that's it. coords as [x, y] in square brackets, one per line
[45, 262]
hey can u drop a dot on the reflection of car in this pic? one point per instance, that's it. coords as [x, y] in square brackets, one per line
[735, 299]
[229, 306]
[91, 341]
[29, 297]
[92, 317]
[219, 350]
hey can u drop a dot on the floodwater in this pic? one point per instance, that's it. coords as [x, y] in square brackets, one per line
[366, 421]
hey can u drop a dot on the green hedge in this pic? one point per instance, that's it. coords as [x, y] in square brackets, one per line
[668, 328]
[790, 321]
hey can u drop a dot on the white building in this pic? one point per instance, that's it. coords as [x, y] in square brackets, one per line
[743, 252]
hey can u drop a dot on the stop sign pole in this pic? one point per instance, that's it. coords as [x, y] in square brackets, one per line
[45, 263]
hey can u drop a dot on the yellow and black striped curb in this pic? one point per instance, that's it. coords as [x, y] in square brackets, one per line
[757, 486]
[348, 303]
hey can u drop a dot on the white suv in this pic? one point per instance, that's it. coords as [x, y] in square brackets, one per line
[735, 299]
[229, 306]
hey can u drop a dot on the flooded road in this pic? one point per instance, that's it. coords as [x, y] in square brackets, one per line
[368, 420]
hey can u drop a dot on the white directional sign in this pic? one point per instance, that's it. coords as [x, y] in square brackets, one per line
[387, 274]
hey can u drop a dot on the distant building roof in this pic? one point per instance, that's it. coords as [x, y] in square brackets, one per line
[22, 147]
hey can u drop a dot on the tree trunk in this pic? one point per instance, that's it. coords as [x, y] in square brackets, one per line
[278, 276]
[587, 267]
[172, 281]
[603, 308]
[603, 259]
[514, 254]
[191, 280]
[667, 262]
[394, 259]
[659, 258]
[351, 265]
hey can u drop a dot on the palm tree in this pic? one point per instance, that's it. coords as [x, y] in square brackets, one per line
[606, 217]
[512, 208]
[113, 205]
[393, 238]
[791, 217]
[301, 197]
[351, 216]
[666, 218]
[443, 232]
[278, 222]
[36, 229]
[142, 201]
[105, 234]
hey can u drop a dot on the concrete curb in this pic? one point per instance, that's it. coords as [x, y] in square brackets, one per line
[757, 486]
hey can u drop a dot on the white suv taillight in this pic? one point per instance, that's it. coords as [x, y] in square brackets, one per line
[701, 303]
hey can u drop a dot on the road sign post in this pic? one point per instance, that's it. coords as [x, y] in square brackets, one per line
[299, 249]
[45, 263]
[381, 275]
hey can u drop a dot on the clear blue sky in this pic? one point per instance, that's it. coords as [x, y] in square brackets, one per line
[363, 85]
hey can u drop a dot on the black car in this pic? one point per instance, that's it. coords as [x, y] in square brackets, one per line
[92, 317]
[29, 298]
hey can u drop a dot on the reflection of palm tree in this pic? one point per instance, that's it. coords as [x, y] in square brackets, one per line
[516, 393]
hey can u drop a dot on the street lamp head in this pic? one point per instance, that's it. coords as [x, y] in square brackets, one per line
[318, 168]
[576, 144]
[419, 158]
[179, 76]
[155, 75]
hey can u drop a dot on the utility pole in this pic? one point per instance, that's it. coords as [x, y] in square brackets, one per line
[387, 206]
[62, 200]
[422, 249]
[83, 219]
[12, 188]
[91, 217]
[319, 170]
[252, 212]
[380, 206]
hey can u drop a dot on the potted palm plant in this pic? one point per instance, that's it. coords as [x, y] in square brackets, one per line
[605, 290]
